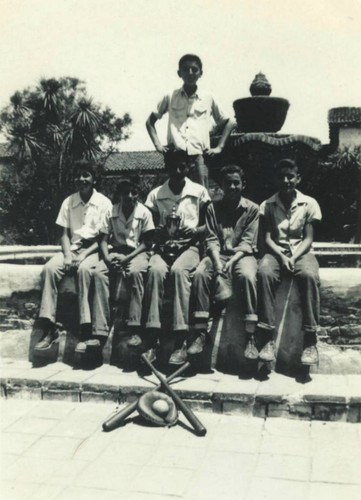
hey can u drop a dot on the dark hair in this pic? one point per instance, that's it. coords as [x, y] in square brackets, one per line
[175, 155]
[124, 186]
[84, 166]
[190, 57]
[286, 163]
[233, 169]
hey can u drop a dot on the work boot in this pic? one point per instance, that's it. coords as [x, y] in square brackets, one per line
[197, 345]
[135, 340]
[310, 355]
[81, 347]
[179, 356]
[268, 352]
[47, 341]
[251, 351]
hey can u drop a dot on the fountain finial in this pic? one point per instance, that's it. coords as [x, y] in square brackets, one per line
[260, 85]
[261, 112]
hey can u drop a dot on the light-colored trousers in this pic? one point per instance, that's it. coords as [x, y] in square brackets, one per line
[135, 272]
[51, 275]
[180, 274]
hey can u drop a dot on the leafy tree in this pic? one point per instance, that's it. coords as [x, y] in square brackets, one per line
[336, 185]
[350, 160]
[48, 128]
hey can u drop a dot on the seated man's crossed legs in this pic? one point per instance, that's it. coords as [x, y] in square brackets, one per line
[206, 288]
[179, 275]
[306, 273]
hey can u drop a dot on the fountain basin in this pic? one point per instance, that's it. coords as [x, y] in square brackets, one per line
[260, 113]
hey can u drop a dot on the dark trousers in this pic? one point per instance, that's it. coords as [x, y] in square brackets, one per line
[306, 275]
[244, 274]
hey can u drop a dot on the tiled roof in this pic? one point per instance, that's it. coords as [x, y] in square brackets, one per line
[345, 115]
[134, 161]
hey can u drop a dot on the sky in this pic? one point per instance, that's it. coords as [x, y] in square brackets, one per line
[127, 52]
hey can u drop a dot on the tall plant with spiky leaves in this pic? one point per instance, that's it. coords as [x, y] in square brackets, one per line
[48, 128]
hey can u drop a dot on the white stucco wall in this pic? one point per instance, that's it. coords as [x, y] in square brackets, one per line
[349, 137]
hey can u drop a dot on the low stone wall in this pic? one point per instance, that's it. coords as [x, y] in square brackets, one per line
[20, 287]
[340, 301]
[341, 306]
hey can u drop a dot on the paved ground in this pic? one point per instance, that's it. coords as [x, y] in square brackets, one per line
[322, 397]
[57, 450]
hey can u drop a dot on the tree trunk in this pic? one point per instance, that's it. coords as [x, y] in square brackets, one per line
[60, 173]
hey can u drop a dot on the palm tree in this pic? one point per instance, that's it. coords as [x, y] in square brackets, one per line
[48, 127]
[85, 125]
[23, 143]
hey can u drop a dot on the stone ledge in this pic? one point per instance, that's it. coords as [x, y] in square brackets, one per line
[324, 397]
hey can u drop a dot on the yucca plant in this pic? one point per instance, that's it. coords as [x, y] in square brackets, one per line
[48, 128]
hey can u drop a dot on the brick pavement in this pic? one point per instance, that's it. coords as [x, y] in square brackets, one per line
[57, 450]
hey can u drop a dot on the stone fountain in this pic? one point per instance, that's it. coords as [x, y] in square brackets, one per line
[257, 143]
[260, 113]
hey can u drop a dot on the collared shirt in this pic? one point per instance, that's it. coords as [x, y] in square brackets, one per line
[84, 220]
[287, 226]
[190, 119]
[232, 231]
[128, 232]
[188, 203]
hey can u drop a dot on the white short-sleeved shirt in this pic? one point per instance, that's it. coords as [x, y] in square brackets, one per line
[287, 226]
[161, 201]
[127, 232]
[190, 119]
[84, 220]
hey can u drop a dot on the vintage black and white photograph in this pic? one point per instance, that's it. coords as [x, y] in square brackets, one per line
[180, 250]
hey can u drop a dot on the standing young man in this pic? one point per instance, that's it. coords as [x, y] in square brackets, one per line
[190, 111]
[81, 216]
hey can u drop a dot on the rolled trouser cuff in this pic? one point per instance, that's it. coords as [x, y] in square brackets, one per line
[179, 327]
[311, 329]
[265, 326]
[101, 333]
[133, 323]
[151, 324]
[251, 317]
[50, 317]
[201, 315]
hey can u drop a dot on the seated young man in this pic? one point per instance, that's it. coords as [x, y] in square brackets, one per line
[232, 229]
[129, 229]
[178, 200]
[80, 216]
[288, 218]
